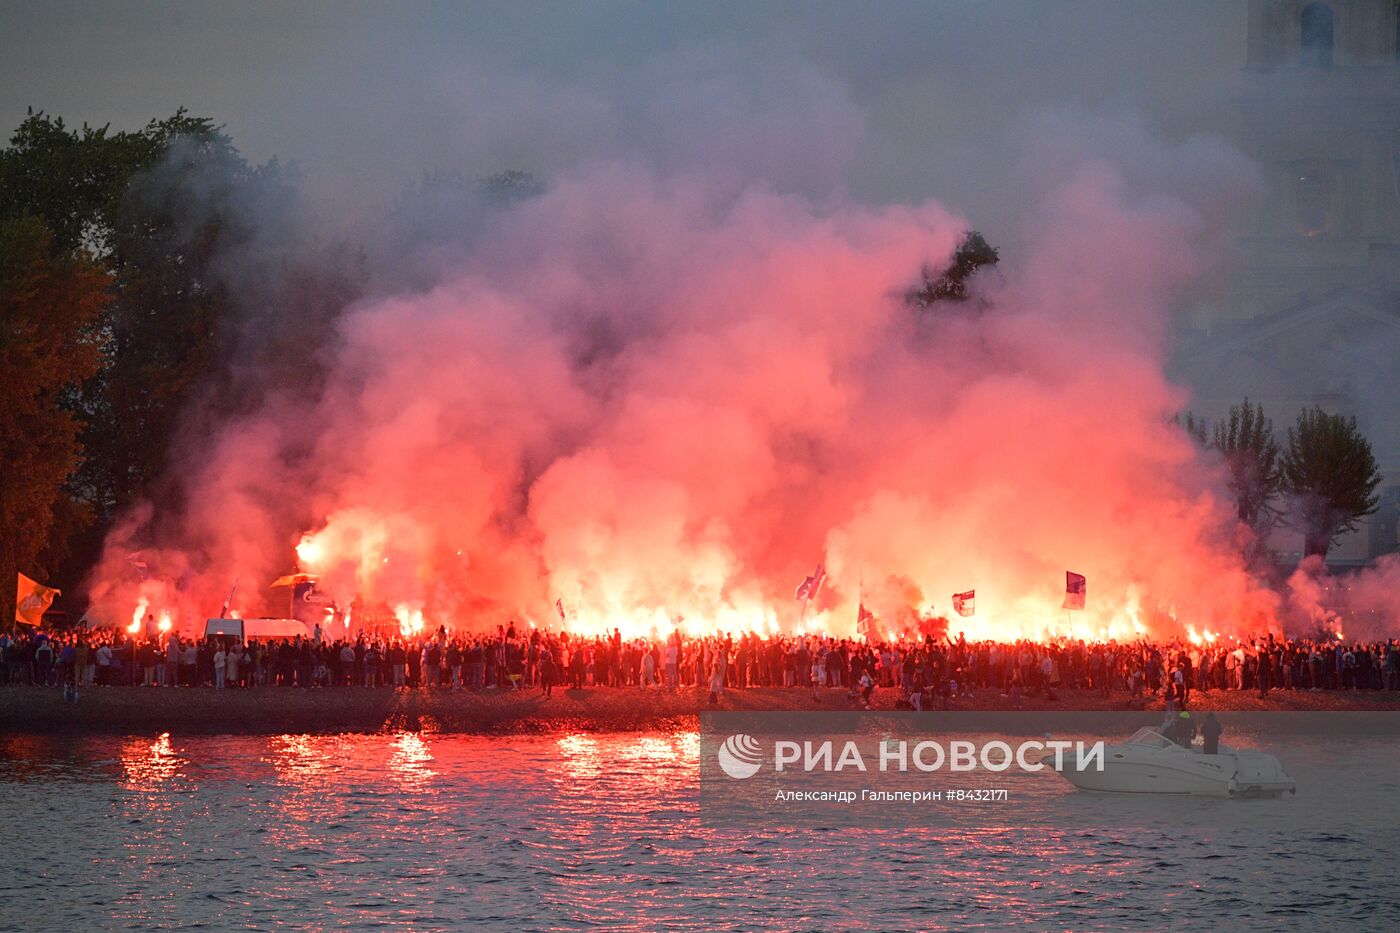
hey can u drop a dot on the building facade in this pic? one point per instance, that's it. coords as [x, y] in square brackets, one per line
[1314, 313]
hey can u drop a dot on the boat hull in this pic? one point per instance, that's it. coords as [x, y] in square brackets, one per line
[1177, 771]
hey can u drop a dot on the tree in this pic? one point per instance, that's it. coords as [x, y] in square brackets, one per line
[442, 210]
[214, 298]
[51, 305]
[951, 284]
[1330, 469]
[70, 179]
[1195, 427]
[171, 235]
[1246, 442]
[505, 189]
[138, 210]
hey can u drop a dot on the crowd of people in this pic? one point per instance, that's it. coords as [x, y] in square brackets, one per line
[924, 671]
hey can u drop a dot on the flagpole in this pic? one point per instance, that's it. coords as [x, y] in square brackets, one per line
[223, 613]
[860, 599]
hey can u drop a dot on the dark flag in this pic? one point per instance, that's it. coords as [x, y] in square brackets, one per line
[1075, 590]
[865, 623]
[559, 604]
[311, 605]
[965, 604]
[809, 587]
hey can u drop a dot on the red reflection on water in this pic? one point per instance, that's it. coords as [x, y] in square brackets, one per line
[147, 764]
[602, 783]
[305, 795]
[654, 761]
[299, 760]
[579, 756]
[410, 760]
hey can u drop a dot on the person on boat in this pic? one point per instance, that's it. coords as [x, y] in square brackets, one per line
[1210, 731]
[1185, 729]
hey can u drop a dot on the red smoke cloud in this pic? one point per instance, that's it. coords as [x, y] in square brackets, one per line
[1358, 606]
[652, 400]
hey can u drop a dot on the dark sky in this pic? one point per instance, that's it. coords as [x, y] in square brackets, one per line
[885, 100]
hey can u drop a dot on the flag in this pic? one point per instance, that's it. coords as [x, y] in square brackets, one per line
[965, 604]
[223, 611]
[311, 605]
[138, 563]
[808, 588]
[559, 604]
[865, 623]
[32, 600]
[291, 579]
[1076, 587]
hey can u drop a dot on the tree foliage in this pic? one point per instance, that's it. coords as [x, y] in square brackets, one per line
[143, 207]
[952, 283]
[51, 304]
[1197, 428]
[169, 234]
[1330, 468]
[512, 186]
[1245, 440]
[212, 298]
[68, 178]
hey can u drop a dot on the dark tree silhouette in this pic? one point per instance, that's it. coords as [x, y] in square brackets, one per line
[211, 294]
[1246, 442]
[951, 284]
[1196, 427]
[1330, 469]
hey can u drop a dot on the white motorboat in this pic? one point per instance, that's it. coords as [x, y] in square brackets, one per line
[1151, 763]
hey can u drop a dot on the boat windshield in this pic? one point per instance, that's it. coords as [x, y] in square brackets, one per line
[1150, 737]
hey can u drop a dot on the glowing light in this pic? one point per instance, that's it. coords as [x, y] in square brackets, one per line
[1203, 637]
[164, 624]
[138, 615]
[410, 620]
[354, 547]
[134, 627]
[310, 552]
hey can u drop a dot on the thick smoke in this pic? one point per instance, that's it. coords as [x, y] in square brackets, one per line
[651, 398]
[1359, 606]
[686, 372]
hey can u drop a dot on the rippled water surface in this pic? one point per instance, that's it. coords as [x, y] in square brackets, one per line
[603, 831]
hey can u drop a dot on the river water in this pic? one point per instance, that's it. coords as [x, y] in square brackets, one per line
[603, 831]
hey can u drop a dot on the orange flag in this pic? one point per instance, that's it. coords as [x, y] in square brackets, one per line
[32, 600]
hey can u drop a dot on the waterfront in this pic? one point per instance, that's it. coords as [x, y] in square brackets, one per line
[422, 831]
